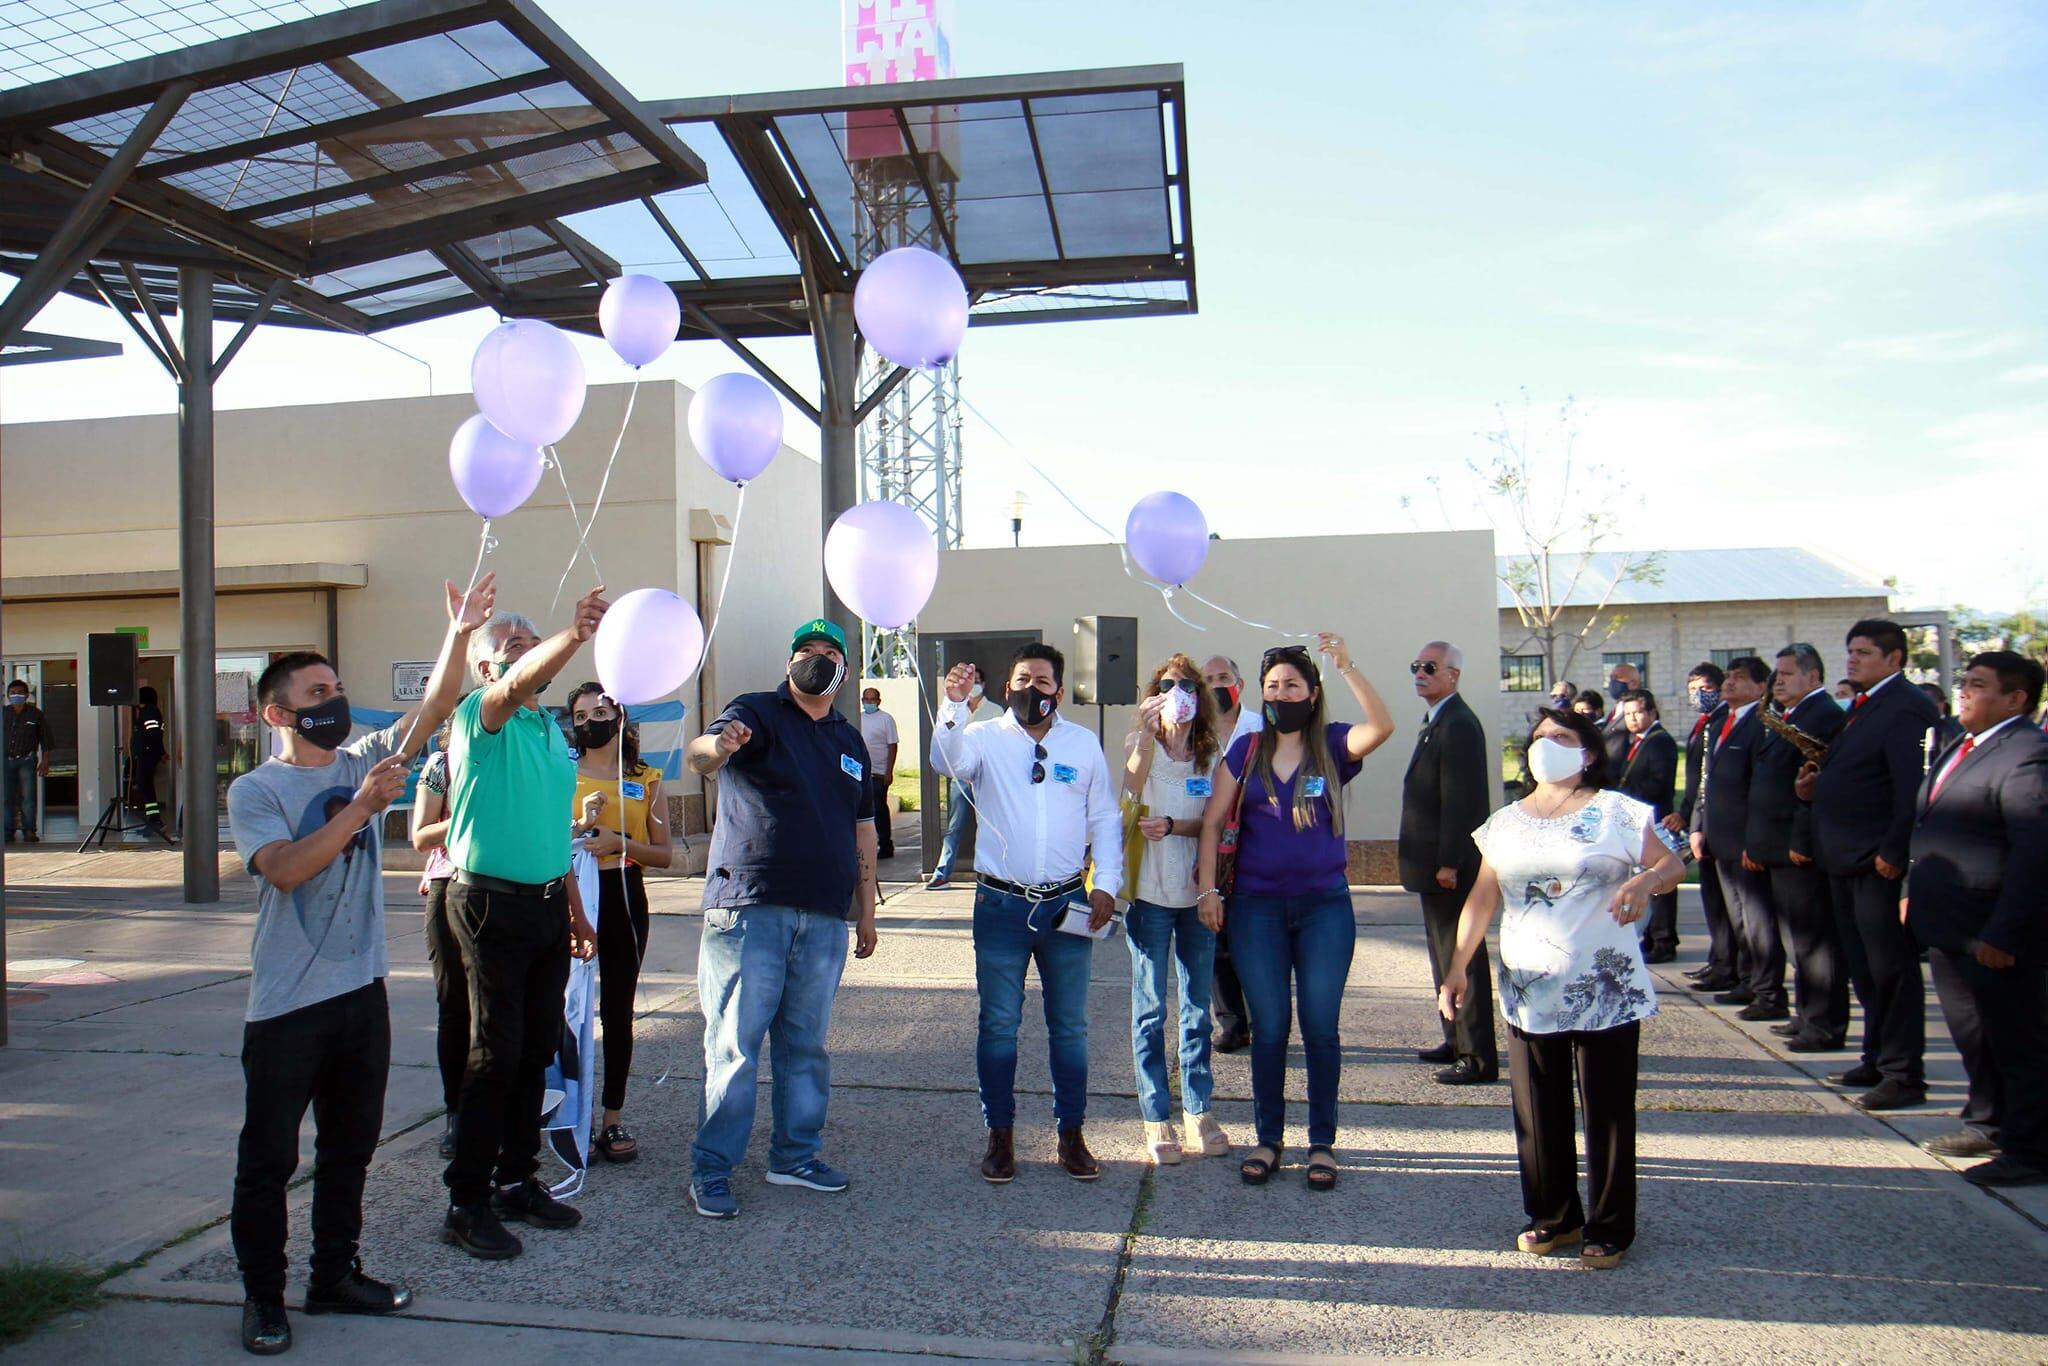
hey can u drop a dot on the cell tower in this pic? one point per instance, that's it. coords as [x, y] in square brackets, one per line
[903, 190]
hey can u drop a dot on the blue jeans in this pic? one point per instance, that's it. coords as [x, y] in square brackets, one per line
[20, 796]
[1157, 934]
[1009, 934]
[958, 813]
[765, 971]
[1308, 939]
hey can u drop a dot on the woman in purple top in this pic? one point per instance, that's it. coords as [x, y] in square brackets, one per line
[1289, 911]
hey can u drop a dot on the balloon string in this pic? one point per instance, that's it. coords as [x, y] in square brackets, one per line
[582, 534]
[1166, 594]
[1256, 625]
[739, 513]
[960, 787]
[583, 529]
[484, 546]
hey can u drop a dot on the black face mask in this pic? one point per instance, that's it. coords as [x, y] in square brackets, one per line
[596, 733]
[816, 675]
[1226, 698]
[1287, 717]
[325, 726]
[1030, 706]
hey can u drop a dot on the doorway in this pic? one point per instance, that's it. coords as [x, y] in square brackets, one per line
[53, 688]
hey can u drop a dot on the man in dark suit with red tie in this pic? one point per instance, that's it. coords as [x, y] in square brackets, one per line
[1978, 899]
[1780, 842]
[1703, 685]
[1720, 824]
[1649, 773]
[1863, 798]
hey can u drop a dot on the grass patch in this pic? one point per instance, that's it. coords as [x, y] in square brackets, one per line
[32, 1293]
[904, 789]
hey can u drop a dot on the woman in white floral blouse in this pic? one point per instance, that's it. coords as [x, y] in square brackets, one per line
[1575, 866]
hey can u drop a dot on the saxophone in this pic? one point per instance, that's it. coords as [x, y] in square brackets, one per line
[1814, 748]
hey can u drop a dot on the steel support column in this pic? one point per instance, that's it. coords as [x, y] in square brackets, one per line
[839, 457]
[197, 798]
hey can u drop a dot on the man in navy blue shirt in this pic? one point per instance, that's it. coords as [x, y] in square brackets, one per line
[792, 860]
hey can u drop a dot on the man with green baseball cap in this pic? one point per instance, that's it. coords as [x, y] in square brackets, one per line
[792, 860]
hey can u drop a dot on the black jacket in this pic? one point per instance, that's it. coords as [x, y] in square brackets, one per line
[1695, 755]
[1779, 823]
[1863, 802]
[1980, 849]
[1651, 775]
[1615, 737]
[1722, 811]
[1446, 795]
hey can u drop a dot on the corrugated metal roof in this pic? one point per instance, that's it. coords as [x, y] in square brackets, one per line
[1775, 574]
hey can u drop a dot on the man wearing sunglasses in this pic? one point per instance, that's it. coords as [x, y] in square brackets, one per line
[1444, 798]
[1044, 797]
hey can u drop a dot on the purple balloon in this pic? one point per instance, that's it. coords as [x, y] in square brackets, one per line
[493, 473]
[528, 381]
[882, 561]
[912, 307]
[1168, 536]
[736, 425]
[647, 646]
[639, 316]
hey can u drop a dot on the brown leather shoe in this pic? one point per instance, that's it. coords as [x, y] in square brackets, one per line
[999, 1165]
[1075, 1157]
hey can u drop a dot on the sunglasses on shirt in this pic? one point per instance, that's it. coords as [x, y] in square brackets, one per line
[1038, 763]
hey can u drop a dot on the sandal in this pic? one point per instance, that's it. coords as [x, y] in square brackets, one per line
[1600, 1256]
[1540, 1241]
[616, 1145]
[1322, 1176]
[1256, 1170]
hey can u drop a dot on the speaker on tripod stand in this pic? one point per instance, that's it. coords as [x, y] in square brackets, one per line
[111, 666]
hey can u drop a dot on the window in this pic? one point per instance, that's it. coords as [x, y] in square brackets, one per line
[1521, 673]
[1637, 658]
[1721, 657]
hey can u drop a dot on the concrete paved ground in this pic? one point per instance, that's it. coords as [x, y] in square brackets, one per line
[1776, 1220]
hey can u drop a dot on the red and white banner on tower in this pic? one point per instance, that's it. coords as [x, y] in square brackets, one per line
[887, 41]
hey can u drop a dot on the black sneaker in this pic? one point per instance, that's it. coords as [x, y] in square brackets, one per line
[530, 1203]
[477, 1231]
[265, 1329]
[356, 1293]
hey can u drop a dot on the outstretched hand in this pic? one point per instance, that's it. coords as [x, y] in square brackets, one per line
[471, 610]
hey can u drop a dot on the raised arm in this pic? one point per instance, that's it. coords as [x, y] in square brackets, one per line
[1140, 743]
[1378, 727]
[507, 695]
[952, 754]
[446, 684]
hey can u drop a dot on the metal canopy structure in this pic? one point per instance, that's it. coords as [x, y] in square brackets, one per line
[385, 163]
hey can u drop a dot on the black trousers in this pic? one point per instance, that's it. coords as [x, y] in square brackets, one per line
[515, 950]
[1541, 1068]
[1226, 996]
[145, 786]
[1721, 956]
[1472, 1033]
[333, 1055]
[451, 995]
[1999, 1019]
[621, 945]
[1761, 963]
[1663, 932]
[885, 834]
[1806, 924]
[1884, 967]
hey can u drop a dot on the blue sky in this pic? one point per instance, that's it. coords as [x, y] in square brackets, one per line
[1787, 257]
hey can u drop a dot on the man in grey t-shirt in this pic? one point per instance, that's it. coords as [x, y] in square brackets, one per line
[317, 1031]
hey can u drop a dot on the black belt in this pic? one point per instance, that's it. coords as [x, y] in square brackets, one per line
[543, 890]
[1044, 891]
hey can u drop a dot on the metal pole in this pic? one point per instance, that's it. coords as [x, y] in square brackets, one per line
[839, 462]
[196, 644]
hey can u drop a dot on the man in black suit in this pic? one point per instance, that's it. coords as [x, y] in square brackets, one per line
[1703, 687]
[1649, 773]
[1444, 798]
[1720, 824]
[1863, 799]
[1779, 841]
[1621, 680]
[1978, 898]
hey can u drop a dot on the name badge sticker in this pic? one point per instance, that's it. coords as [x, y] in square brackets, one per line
[1065, 773]
[1313, 786]
[635, 791]
[1199, 787]
[851, 767]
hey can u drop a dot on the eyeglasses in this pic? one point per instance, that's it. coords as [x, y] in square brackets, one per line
[1422, 666]
[1167, 685]
[1038, 763]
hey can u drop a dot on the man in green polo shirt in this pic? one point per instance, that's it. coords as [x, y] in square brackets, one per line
[516, 915]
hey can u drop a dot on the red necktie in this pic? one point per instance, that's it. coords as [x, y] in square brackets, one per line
[1633, 746]
[1861, 698]
[1726, 726]
[1941, 779]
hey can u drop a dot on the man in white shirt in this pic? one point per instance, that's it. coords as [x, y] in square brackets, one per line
[1044, 797]
[960, 800]
[878, 733]
[1233, 1021]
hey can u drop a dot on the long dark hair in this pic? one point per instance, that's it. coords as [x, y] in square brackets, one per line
[1594, 776]
[1201, 730]
[629, 735]
[1315, 749]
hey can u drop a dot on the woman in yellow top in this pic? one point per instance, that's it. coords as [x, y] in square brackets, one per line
[602, 733]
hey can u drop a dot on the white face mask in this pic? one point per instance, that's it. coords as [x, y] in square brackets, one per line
[1553, 761]
[1180, 708]
[974, 693]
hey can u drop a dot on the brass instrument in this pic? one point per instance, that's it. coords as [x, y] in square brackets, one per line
[1815, 749]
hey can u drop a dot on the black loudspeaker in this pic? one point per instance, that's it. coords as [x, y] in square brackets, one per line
[110, 670]
[1105, 661]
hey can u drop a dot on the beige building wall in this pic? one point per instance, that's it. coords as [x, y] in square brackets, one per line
[1367, 588]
